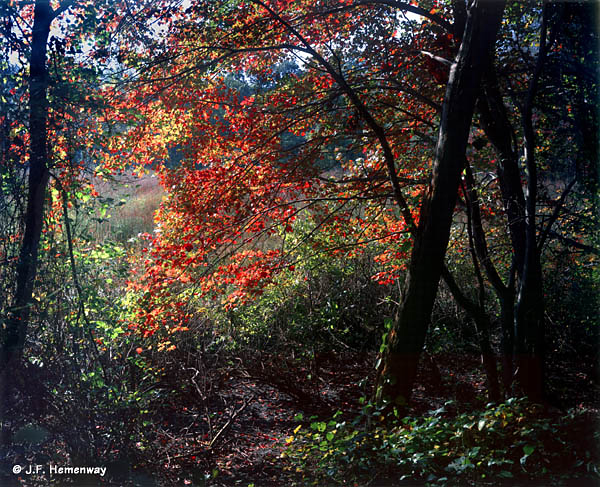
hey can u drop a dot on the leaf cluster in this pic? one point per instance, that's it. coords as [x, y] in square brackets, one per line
[513, 440]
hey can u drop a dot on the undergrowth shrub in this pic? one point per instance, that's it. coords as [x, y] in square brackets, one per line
[514, 440]
[329, 302]
[86, 393]
[572, 298]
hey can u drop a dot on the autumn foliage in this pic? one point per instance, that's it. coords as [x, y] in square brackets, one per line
[214, 214]
[265, 137]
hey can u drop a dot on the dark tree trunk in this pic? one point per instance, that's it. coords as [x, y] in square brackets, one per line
[507, 342]
[529, 313]
[529, 331]
[495, 122]
[480, 257]
[14, 334]
[407, 337]
[498, 128]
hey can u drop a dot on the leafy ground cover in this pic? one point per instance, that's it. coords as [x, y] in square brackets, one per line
[307, 427]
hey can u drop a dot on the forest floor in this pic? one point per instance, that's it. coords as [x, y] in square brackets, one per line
[261, 399]
[233, 432]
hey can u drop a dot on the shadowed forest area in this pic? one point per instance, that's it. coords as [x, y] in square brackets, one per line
[289, 242]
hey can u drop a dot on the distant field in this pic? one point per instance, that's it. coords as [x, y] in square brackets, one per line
[131, 210]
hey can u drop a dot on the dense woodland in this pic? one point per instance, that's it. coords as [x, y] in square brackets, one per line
[292, 242]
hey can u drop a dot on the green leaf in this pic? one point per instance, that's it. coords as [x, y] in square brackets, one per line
[528, 449]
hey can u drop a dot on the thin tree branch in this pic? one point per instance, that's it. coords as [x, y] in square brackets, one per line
[555, 214]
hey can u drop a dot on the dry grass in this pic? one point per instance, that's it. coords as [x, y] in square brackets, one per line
[131, 212]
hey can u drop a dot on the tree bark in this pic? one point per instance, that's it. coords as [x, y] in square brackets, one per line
[494, 120]
[407, 337]
[529, 312]
[480, 257]
[15, 331]
[495, 123]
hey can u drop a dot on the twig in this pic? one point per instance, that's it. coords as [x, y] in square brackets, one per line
[229, 422]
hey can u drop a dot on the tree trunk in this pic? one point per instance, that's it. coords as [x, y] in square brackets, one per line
[407, 337]
[529, 314]
[480, 257]
[495, 122]
[529, 331]
[14, 334]
[507, 343]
